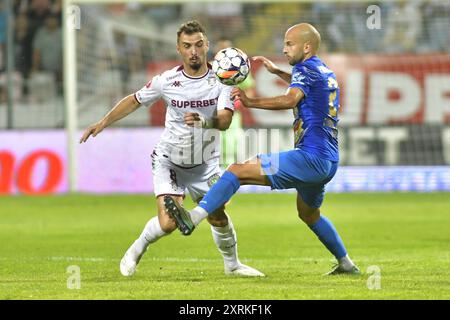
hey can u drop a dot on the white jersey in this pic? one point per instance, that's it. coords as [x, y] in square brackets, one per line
[180, 143]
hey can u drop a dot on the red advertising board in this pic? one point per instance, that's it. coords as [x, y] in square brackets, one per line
[375, 89]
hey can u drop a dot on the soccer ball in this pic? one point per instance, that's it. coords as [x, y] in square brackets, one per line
[231, 66]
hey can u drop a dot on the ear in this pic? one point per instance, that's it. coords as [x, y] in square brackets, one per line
[306, 47]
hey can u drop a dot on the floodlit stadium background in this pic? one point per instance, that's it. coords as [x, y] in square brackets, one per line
[395, 81]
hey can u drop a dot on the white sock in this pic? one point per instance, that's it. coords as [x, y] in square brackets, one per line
[346, 263]
[197, 215]
[152, 232]
[226, 242]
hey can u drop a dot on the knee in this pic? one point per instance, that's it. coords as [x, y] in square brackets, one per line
[308, 215]
[218, 218]
[234, 168]
[166, 223]
[239, 171]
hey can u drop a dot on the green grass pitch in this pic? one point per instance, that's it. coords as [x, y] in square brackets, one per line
[405, 235]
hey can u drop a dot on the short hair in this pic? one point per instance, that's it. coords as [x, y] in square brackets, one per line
[224, 38]
[189, 28]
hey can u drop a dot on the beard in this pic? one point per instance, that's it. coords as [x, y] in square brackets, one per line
[296, 60]
[196, 65]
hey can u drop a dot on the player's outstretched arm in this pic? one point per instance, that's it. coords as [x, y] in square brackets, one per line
[273, 68]
[123, 108]
[283, 102]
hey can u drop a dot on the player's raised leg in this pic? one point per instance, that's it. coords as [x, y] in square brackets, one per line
[249, 172]
[155, 228]
[325, 230]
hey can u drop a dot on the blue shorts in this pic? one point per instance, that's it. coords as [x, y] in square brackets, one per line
[298, 169]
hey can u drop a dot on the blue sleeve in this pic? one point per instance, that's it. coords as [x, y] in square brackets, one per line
[301, 79]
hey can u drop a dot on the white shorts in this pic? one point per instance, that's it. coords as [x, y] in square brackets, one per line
[171, 179]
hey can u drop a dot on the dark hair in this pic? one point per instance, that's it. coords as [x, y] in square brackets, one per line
[189, 28]
[224, 38]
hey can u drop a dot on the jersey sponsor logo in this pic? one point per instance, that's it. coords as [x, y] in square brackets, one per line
[194, 103]
[172, 77]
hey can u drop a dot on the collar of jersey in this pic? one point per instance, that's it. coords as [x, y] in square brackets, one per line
[312, 58]
[195, 78]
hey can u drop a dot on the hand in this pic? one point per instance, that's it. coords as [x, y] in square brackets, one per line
[93, 130]
[193, 119]
[239, 97]
[270, 66]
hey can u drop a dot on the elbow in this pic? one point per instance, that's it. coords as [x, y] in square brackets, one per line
[224, 127]
[290, 103]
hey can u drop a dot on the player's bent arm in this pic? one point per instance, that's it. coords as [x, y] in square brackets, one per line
[286, 76]
[223, 119]
[284, 102]
[273, 68]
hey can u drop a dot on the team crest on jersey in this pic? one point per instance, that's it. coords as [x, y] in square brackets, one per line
[298, 78]
[213, 179]
[212, 81]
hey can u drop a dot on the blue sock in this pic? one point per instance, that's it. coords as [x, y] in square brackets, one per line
[328, 235]
[220, 192]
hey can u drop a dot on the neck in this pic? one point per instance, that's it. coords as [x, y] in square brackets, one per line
[309, 55]
[194, 72]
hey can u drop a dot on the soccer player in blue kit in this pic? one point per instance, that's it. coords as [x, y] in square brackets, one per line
[313, 94]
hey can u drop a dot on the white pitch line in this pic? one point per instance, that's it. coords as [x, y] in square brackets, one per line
[174, 259]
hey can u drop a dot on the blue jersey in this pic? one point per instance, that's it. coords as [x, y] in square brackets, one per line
[316, 114]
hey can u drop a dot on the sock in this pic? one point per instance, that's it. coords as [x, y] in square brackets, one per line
[197, 215]
[151, 233]
[328, 235]
[220, 192]
[226, 242]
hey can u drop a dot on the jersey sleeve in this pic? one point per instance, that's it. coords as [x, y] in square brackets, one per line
[151, 92]
[224, 101]
[302, 79]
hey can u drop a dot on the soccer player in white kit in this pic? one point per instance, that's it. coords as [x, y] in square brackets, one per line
[196, 102]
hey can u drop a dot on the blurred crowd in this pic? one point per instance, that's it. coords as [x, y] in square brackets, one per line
[37, 43]
[407, 26]
[415, 26]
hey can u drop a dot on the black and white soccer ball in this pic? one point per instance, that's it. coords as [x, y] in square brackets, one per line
[231, 66]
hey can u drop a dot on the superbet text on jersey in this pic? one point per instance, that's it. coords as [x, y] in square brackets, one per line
[184, 145]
